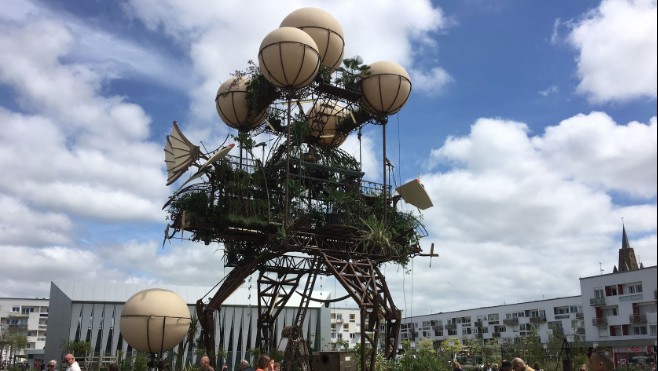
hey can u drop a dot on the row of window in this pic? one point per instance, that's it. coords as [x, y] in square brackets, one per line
[620, 289]
[624, 330]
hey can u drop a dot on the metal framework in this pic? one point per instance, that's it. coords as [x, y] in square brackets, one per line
[302, 213]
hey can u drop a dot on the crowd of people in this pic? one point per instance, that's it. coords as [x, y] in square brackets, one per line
[599, 360]
[264, 363]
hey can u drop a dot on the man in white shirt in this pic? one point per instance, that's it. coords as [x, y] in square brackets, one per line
[71, 364]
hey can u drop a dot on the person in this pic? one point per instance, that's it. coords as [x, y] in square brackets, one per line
[71, 363]
[537, 366]
[244, 366]
[582, 367]
[263, 363]
[205, 364]
[277, 366]
[52, 365]
[505, 366]
[601, 360]
[112, 367]
[518, 364]
[456, 366]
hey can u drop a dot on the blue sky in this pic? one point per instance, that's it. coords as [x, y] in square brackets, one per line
[531, 124]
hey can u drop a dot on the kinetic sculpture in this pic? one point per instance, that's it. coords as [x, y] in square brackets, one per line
[304, 210]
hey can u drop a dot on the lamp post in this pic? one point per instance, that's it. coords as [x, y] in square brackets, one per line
[154, 321]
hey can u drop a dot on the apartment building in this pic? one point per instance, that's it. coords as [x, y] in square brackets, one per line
[28, 317]
[558, 316]
[345, 327]
[620, 308]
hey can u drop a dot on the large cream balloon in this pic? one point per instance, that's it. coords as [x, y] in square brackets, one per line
[386, 87]
[289, 58]
[232, 106]
[154, 320]
[325, 31]
[323, 119]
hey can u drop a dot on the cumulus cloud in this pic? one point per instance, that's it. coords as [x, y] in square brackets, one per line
[511, 200]
[618, 52]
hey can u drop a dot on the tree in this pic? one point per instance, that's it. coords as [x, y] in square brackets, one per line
[15, 341]
[77, 348]
[187, 342]
[450, 346]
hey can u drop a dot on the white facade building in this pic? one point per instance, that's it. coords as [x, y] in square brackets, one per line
[85, 311]
[620, 313]
[345, 327]
[28, 317]
[559, 316]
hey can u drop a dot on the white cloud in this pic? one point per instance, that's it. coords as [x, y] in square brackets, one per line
[618, 50]
[512, 205]
[595, 150]
[430, 82]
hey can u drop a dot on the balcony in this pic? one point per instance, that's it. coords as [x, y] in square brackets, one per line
[511, 321]
[437, 327]
[596, 302]
[580, 331]
[451, 326]
[637, 318]
[495, 334]
[478, 323]
[537, 319]
[479, 336]
[580, 315]
[599, 321]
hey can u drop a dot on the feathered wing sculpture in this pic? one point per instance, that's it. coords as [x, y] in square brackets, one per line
[180, 154]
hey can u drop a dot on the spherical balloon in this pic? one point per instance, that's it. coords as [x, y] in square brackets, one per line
[289, 58]
[232, 105]
[323, 120]
[386, 87]
[325, 31]
[154, 320]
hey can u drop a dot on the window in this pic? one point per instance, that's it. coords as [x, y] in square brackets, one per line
[333, 315]
[526, 327]
[339, 316]
[611, 290]
[598, 293]
[352, 317]
[652, 330]
[16, 309]
[333, 327]
[561, 310]
[610, 311]
[640, 330]
[346, 327]
[574, 309]
[466, 331]
[635, 288]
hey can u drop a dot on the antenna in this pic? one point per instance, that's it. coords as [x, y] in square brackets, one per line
[600, 268]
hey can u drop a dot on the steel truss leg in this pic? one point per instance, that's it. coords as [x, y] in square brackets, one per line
[367, 286]
[273, 294]
[205, 313]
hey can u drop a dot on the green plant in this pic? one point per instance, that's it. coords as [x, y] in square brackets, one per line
[352, 71]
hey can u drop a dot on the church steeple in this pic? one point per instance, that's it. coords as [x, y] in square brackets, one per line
[627, 260]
